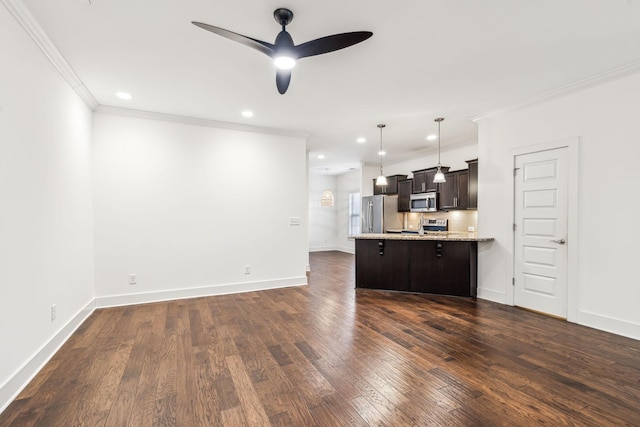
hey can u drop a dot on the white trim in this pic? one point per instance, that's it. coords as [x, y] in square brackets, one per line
[609, 324]
[572, 144]
[491, 295]
[324, 249]
[589, 82]
[12, 388]
[149, 115]
[205, 291]
[24, 17]
[346, 249]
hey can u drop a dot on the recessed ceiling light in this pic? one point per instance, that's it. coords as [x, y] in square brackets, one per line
[124, 95]
[432, 137]
[321, 156]
[247, 113]
[361, 140]
[381, 153]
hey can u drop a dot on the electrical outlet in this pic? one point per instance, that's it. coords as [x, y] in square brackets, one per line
[471, 229]
[247, 269]
[53, 312]
[133, 279]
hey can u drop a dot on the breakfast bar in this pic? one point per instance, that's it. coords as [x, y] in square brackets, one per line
[439, 263]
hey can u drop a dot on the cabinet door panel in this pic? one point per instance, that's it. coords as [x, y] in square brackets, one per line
[454, 268]
[473, 185]
[419, 182]
[448, 191]
[422, 276]
[463, 190]
[440, 268]
[404, 195]
[386, 271]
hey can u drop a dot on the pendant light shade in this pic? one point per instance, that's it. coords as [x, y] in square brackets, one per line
[327, 199]
[439, 178]
[381, 180]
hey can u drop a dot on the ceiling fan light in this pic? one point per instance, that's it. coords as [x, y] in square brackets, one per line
[284, 62]
[381, 180]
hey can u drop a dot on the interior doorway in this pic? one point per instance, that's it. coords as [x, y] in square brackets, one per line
[545, 229]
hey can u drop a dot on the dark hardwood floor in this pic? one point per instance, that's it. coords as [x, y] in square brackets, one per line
[327, 354]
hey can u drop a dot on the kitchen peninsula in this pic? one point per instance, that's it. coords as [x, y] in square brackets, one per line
[440, 263]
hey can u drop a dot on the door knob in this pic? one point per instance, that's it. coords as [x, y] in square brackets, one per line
[560, 242]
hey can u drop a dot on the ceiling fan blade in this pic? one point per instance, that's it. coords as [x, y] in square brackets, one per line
[283, 78]
[259, 45]
[331, 43]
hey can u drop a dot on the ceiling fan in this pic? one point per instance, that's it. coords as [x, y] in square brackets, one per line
[283, 52]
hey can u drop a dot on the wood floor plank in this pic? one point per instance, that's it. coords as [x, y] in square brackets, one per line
[252, 407]
[327, 354]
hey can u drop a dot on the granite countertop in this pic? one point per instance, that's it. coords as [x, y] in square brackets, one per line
[443, 236]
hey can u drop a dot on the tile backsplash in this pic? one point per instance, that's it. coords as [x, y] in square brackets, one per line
[459, 221]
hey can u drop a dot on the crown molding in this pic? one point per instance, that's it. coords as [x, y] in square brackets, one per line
[24, 17]
[149, 115]
[589, 82]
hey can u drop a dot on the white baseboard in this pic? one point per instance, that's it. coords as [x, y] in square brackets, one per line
[333, 248]
[490, 295]
[323, 248]
[609, 324]
[347, 250]
[10, 390]
[205, 291]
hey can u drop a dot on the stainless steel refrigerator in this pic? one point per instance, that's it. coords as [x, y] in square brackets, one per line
[380, 213]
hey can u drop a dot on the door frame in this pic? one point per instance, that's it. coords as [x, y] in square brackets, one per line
[572, 145]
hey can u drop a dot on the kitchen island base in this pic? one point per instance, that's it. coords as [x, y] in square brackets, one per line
[426, 266]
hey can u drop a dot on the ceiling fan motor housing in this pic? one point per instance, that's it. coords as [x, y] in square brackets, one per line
[283, 16]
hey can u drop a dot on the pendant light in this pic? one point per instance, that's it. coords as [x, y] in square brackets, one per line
[327, 198]
[439, 178]
[381, 180]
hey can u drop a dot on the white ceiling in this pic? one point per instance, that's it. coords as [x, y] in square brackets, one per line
[458, 59]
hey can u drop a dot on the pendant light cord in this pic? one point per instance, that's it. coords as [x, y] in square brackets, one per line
[439, 121]
[380, 153]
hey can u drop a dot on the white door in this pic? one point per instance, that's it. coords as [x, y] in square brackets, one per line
[541, 184]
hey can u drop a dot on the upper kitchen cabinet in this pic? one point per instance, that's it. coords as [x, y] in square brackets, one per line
[473, 184]
[423, 180]
[404, 195]
[391, 187]
[454, 193]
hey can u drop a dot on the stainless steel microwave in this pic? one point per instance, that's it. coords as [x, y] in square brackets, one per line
[424, 202]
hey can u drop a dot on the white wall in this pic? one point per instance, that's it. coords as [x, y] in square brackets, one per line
[187, 207]
[322, 219]
[605, 118]
[347, 183]
[46, 243]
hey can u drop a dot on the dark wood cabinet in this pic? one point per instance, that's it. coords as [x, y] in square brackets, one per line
[446, 268]
[383, 264]
[404, 195]
[454, 193]
[423, 180]
[473, 184]
[391, 187]
[426, 266]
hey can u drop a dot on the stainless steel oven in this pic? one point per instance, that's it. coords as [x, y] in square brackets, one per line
[424, 202]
